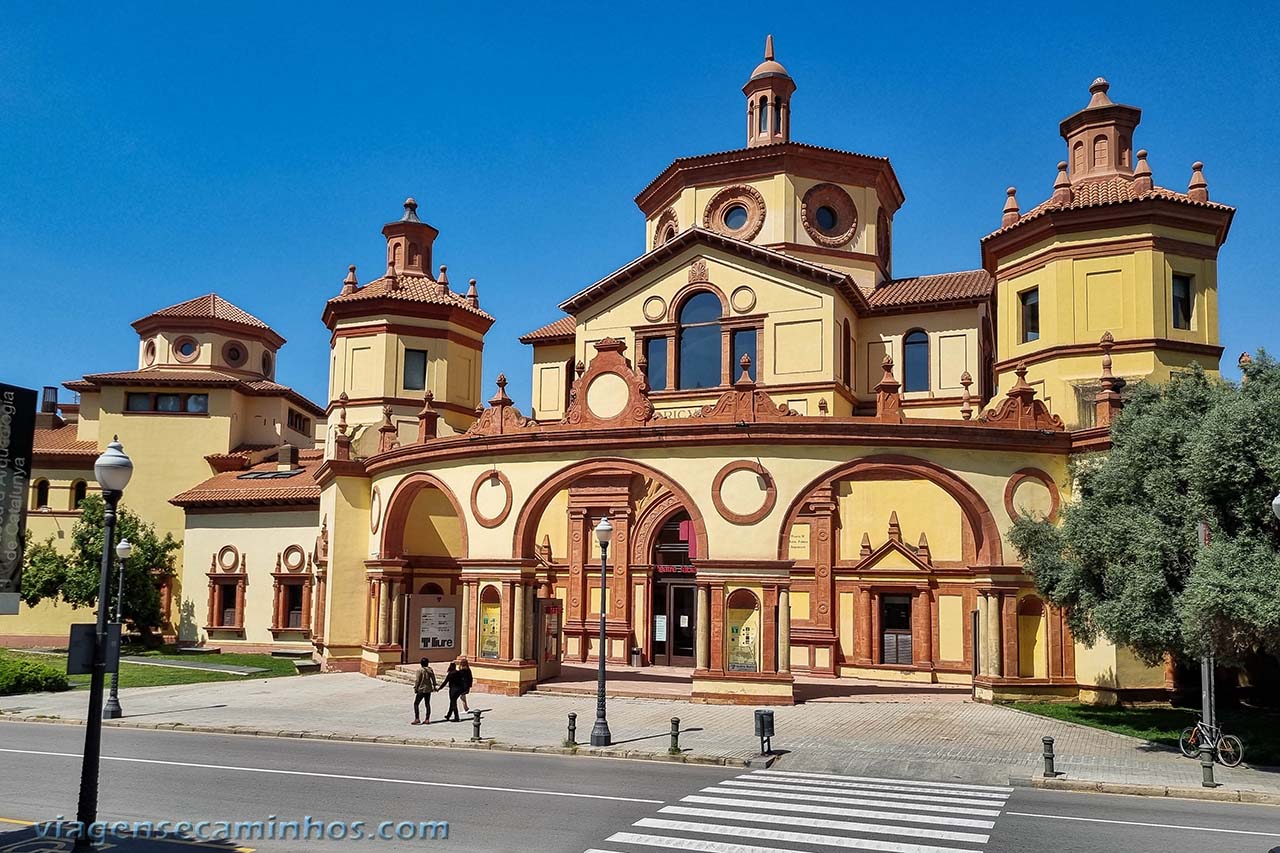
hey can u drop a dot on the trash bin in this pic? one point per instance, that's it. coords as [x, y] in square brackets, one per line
[764, 723]
[635, 657]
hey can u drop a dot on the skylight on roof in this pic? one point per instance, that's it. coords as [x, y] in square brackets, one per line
[269, 475]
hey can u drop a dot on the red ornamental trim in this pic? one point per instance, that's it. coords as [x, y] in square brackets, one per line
[770, 497]
[177, 349]
[294, 558]
[237, 349]
[748, 197]
[475, 493]
[1018, 478]
[832, 196]
[666, 228]
[225, 552]
[375, 510]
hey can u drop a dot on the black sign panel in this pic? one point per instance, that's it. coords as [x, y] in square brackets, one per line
[17, 433]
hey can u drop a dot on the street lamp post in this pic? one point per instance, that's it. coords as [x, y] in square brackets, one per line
[113, 711]
[112, 471]
[600, 735]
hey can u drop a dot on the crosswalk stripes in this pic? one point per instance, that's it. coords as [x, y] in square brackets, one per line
[784, 811]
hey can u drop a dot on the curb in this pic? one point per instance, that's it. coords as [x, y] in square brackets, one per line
[1224, 795]
[487, 743]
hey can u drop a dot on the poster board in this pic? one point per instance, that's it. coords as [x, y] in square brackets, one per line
[432, 628]
[490, 629]
[743, 639]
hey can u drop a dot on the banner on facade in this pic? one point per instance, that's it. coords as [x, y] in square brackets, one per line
[17, 435]
[744, 639]
[490, 625]
[436, 628]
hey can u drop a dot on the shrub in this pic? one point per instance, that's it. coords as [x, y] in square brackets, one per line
[25, 676]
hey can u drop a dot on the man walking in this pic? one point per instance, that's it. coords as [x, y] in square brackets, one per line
[423, 686]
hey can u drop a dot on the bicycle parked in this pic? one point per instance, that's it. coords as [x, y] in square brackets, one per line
[1227, 749]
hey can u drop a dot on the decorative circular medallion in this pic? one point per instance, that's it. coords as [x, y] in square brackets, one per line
[485, 493]
[743, 299]
[655, 309]
[736, 212]
[149, 353]
[822, 608]
[234, 353]
[742, 481]
[375, 510]
[1035, 487]
[294, 558]
[829, 215]
[823, 571]
[186, 349]
[607, 395]
[228, 558]
[666, 227]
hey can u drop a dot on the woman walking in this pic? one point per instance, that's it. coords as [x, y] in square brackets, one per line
[458, 680]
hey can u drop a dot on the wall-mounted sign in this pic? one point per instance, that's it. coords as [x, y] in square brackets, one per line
[490, 626]
[659, 627]
[744, 639]
[17, 434]
[798, 542]
[436, 628]
[677, 570]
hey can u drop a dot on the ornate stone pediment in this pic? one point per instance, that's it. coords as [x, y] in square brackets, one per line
[745, 403]
[501, 417]
[1021, 410]
[609, 392]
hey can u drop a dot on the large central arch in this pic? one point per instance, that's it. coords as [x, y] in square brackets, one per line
[399, 506]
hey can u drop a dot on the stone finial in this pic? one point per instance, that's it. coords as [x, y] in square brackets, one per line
[410, 211]
[865, 551]
[1011, 213]
[1107, 402]
[1142, 182]
[473, 295]
[500, 397]
[823, 408]
[888, 401]
[768, 48]
[1198, 188]
[442, 283]
[387, 432]
[744, 364]
[922, 549]
[966, 407]
[342, 441]
[580, 368]
[349, 284]
[393, 283]
[544, 549]
[1098, 90]
[895, 529]
[428, 418]
[1062, 193]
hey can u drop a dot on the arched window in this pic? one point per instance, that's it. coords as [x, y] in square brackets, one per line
[742, 637]
[915, 361]
[777, 115]
[413, 254]
[764, 114]
[1077, 158]
[42, 494]
[846, 357]
[431, 589]
[78, 490]
[1100, 152]
[699, 343]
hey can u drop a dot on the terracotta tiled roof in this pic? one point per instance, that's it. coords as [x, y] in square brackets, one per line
[1099, 193]
[410, 288]
[565, 328]
[61, 442]
[199, 377]
[233, 489]
[932, 289]
[211, 306]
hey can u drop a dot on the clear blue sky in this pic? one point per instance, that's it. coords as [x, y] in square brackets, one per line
[153, 153]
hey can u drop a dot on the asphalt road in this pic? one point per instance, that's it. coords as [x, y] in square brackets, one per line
[500, 801]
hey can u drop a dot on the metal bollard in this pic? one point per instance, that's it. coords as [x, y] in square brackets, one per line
[573, 729]
[1206, 766]
[475, 725]
[1049, 772]
[675, 736]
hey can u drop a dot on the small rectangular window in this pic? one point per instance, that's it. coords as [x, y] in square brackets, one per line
[135, 402]
[198, 403]
[1030, 300]
[1183, 302]
[168, 403]
[744, 343]
[655, 368]
[415, 369]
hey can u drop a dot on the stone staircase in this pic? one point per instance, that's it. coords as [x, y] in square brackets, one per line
[402, 674]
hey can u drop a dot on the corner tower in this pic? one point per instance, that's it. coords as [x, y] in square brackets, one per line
[400, 337]
[1108, 251]
[768, 92]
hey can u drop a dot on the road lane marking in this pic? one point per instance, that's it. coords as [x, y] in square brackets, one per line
[1151, 825]
[956, 785]
[820, 823]
[821, 788]
[667, 842]
[911, 788]
[857, 801]
[340, 776]
[797, 837]
[873, 814]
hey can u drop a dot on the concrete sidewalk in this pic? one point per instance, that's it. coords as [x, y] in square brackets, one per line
[942, 740]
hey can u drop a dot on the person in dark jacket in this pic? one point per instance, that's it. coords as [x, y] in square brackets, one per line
[458, 680]
[423, 685]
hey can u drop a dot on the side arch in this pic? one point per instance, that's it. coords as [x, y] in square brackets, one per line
[987, 547]
[527, 523]
[401, 503]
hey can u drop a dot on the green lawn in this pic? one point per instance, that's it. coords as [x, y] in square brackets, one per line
[140, 675]
[1260, 730]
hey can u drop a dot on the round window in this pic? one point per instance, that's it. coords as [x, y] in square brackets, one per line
[827, 218]
[266, 364]
[234, 354]
[187, 348]
[735, 217]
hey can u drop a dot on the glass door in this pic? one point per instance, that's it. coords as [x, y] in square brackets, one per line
[684, 617]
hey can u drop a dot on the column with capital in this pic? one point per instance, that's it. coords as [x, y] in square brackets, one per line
[465, 642]
[517, 628]
[862, 628]
[702, 643]
[384, 611]
[784, 630]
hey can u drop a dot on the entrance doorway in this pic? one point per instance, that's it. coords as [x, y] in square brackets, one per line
[674, 623]
[895, 630]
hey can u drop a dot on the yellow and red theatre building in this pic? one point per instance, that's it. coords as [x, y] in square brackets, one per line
[810, 465]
